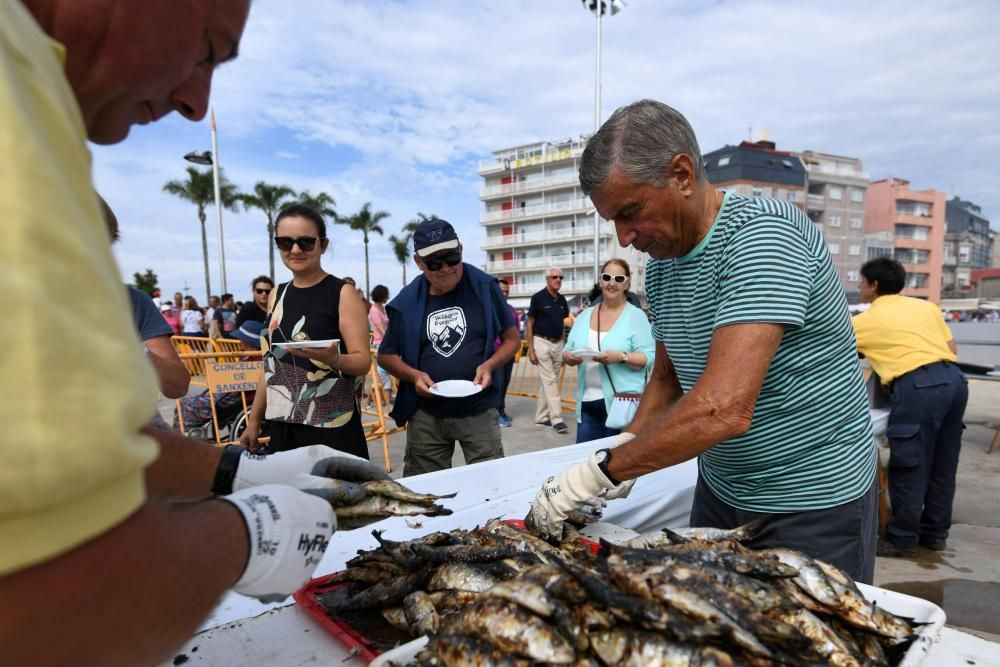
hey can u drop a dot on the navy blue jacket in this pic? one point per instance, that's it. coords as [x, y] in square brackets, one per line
[411, 304]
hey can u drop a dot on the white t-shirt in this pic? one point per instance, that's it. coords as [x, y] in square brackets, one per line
[592, 388]
[191, 321]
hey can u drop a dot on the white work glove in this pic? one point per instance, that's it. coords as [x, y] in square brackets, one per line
[288, 533]
[314, 467]
[625, 488]
[564, 493]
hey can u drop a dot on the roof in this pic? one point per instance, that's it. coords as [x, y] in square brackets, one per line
[981, 274]
[754, 162]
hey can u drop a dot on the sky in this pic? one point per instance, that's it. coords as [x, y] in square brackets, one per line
[396, 102]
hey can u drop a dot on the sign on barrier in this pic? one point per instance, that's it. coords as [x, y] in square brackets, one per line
[227, 376]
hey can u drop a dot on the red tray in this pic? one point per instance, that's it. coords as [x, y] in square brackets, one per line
[308, 598]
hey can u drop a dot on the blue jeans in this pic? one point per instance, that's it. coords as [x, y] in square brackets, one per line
[593, 414]
[925, 436]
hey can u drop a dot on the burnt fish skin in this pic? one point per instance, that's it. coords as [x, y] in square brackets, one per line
[382, 506]
[421, 615]
[512, 628]
[384, 594]
[645, 649]
[391, 489]
[459, 650]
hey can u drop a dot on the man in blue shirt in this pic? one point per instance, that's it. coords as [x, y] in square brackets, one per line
[442, 326]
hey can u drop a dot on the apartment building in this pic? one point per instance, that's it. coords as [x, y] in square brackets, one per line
[757, 168]
[967, 247]
[535, 215]
[916, 220]
[836, 203]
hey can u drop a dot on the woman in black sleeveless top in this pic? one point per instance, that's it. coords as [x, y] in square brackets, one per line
[310, 395]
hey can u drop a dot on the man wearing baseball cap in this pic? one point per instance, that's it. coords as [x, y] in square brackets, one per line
[442, 326]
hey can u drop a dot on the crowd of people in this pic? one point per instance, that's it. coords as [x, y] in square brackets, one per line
[750, 353]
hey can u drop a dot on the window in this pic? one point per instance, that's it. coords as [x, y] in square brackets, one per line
[756, 192]
[854, 249]
[964, 253]
[834, 220]
[854, 276]
[791, 196]
[856, 222]
[834, 248]
[835, 192]
[914, 232]
[857, 195]
[787, 164]
[723, 161]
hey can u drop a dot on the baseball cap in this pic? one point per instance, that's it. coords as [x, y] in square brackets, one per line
[249, 332]
[434, 235]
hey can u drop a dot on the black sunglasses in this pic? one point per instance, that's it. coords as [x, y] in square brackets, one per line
[556, 277]
[265, 291]
[454, 259]
[305, 243]
[607, 277]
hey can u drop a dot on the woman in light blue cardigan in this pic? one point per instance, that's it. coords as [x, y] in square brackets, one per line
[622, 338]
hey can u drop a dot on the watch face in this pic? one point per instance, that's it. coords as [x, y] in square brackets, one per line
[602, 455]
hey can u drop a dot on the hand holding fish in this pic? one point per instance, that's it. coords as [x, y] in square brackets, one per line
[288, 532]
[317, 468]
[565, 493]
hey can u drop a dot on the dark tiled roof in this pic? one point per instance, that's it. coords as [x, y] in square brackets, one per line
[754, 162]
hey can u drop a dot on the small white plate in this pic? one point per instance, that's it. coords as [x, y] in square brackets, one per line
[300, 344]
[455, 388]
[584, 353]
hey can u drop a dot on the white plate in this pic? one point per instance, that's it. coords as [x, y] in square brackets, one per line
[455, 388]
[584, 353]
[300, 344]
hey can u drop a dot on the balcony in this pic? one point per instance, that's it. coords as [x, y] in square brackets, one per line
[523, 187]
[512, 240]
[527, 289]
[496, 165]
[538, 211]
[535, 263]
[815, 202]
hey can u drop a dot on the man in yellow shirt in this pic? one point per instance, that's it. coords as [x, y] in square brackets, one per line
[96, 566]
[913, 352]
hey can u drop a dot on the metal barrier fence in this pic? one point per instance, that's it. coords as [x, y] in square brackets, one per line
[526, 381]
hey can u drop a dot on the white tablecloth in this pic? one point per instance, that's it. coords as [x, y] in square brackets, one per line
[501, 488]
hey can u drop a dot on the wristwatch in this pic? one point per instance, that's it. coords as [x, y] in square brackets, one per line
[603, 457]
[226, 472]
[624, 357]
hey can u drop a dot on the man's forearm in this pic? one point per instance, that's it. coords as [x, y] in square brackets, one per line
[185, 469]
[398, 368]
[529, 333]
[128, 597]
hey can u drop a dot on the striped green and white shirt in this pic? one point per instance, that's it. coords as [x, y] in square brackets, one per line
[810, 444]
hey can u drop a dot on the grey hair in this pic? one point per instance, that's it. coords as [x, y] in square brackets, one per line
[548, 271]
[641, 140]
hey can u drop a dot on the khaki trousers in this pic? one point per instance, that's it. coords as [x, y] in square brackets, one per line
[549, 366]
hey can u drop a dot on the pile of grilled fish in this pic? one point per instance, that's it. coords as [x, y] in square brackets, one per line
[389, 498]
[499, 595]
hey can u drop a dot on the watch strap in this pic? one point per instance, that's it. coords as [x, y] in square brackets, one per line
[603, 466]
[226, 472]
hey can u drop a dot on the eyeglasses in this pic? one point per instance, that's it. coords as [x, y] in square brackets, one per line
[607, 277]
[454, 259]
[555, 277]
[265, 291]
[305, 243]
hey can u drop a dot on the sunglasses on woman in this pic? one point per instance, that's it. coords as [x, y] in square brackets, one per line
[286, 243]
[454, 259]
[607, 277]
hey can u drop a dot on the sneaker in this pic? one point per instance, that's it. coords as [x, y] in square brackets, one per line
[887, 549]
[505, 420]
[544, 423]
[932, 544]
[561, 428]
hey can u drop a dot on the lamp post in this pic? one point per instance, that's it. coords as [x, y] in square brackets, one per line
[598, 7]
[211, 158]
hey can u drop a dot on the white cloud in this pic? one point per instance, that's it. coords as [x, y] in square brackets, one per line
[393, 103]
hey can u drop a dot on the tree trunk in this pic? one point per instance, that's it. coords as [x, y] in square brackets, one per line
[270, 245]
[404, 274]
[368, 289]
[204, 252]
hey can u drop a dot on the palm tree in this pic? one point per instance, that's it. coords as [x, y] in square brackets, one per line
[199, 189]
[401, 248]
[269, 199]
[322, 202]
[412, 225]
[366, 222]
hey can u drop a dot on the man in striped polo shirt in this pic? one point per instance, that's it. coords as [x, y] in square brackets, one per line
[756, 370]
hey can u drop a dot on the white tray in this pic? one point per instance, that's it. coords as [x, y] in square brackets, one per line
[919, 610]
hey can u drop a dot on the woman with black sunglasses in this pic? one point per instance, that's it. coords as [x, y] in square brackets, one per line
[310, 395]
[619, 343]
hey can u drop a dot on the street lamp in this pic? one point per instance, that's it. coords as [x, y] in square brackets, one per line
[210, 158]
[598, 7]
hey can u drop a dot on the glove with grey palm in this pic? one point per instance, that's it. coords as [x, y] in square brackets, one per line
[288, 531]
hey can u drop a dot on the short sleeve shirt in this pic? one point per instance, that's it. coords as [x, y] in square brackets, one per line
[549, 313]
[148, 320]
[810, 444]
[226, 317]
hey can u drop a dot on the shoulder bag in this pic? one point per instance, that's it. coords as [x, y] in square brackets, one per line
[624, 404]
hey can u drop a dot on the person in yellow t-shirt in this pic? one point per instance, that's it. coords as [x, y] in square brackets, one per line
[912, 351]
[93, 552]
